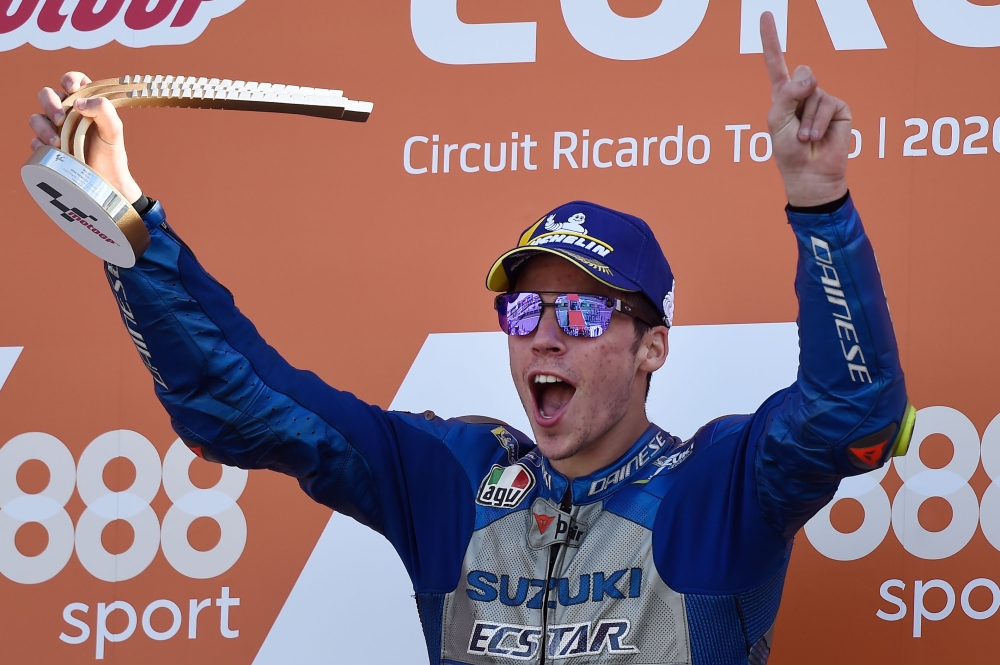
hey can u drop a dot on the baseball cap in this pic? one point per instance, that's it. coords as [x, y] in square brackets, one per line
[613, 247]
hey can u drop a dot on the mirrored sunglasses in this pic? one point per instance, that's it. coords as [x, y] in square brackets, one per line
[578, 314]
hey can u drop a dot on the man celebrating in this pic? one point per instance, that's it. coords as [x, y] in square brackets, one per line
[606, 539]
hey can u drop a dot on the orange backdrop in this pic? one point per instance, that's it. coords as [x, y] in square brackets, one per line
[312, 222]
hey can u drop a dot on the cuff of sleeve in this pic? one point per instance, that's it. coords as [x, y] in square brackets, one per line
[840, 215]
[153, 216]
[824, 209]
[143, 204]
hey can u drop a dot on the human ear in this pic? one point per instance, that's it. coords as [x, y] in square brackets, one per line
[653, 350]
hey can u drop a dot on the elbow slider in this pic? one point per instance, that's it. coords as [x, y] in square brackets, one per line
[872, 451]
[902, 442]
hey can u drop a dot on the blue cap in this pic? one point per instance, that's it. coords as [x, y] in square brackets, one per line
[614, 248]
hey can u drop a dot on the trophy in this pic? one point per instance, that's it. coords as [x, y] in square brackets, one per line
[94, 213]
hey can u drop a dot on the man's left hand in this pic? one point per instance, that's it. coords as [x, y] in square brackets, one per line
[810, 129]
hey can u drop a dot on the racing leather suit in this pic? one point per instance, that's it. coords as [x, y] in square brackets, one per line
[676, 553]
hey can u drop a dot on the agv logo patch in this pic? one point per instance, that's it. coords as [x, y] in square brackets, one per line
[505, 487]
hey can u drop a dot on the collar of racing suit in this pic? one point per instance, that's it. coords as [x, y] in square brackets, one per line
[655, 449]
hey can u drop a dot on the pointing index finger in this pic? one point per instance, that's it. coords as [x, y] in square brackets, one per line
[773, 56]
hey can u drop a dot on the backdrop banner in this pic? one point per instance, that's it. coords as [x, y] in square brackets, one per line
[360, 252]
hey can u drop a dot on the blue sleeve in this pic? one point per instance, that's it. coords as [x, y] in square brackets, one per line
[843, 414]
[235, 400]
[757, 479]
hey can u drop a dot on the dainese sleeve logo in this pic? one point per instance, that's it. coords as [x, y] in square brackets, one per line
[505, 487]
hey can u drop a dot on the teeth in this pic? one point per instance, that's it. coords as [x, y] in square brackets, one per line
[547, 378]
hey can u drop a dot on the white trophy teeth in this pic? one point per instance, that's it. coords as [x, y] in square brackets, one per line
[185, 90]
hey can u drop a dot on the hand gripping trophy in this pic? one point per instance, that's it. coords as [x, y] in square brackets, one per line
[97, 215]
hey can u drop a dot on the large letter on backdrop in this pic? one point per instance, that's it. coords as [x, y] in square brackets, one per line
[601, 31]
[960, 22]
[8, 356]
[851, 24]
[442, 37]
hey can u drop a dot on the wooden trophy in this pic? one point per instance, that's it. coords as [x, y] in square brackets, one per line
[93, 212]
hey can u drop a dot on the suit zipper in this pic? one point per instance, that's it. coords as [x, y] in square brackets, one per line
[543, 643]
[566, 506]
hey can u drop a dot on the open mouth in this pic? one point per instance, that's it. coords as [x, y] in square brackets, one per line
[552, 396]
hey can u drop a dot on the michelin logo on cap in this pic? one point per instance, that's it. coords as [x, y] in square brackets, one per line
[574, 224]
[571, 232]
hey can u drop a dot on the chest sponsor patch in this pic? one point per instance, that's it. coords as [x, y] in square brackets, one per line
[564, 641]
[549, 526]
[505, 487]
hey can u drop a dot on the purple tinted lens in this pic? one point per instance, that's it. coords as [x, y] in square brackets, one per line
[582, 315]
[519, 312]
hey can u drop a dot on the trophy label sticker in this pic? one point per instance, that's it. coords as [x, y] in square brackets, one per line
[87, 180]
[77, 173]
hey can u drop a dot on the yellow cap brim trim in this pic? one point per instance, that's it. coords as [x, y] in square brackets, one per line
[902, 442]
[526, 236]
[498, 281]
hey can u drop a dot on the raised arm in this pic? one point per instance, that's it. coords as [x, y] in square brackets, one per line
[847, 411]
[233, 399]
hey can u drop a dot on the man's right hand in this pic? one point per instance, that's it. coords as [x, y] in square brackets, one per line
[810, 128]
[106, 141]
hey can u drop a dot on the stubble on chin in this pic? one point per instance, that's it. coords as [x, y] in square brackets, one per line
[590, 434]
[557, 450]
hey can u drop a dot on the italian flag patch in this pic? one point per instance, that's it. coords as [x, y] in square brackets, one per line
[505, 487]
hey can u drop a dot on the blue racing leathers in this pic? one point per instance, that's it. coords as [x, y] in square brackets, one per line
[676, 553]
